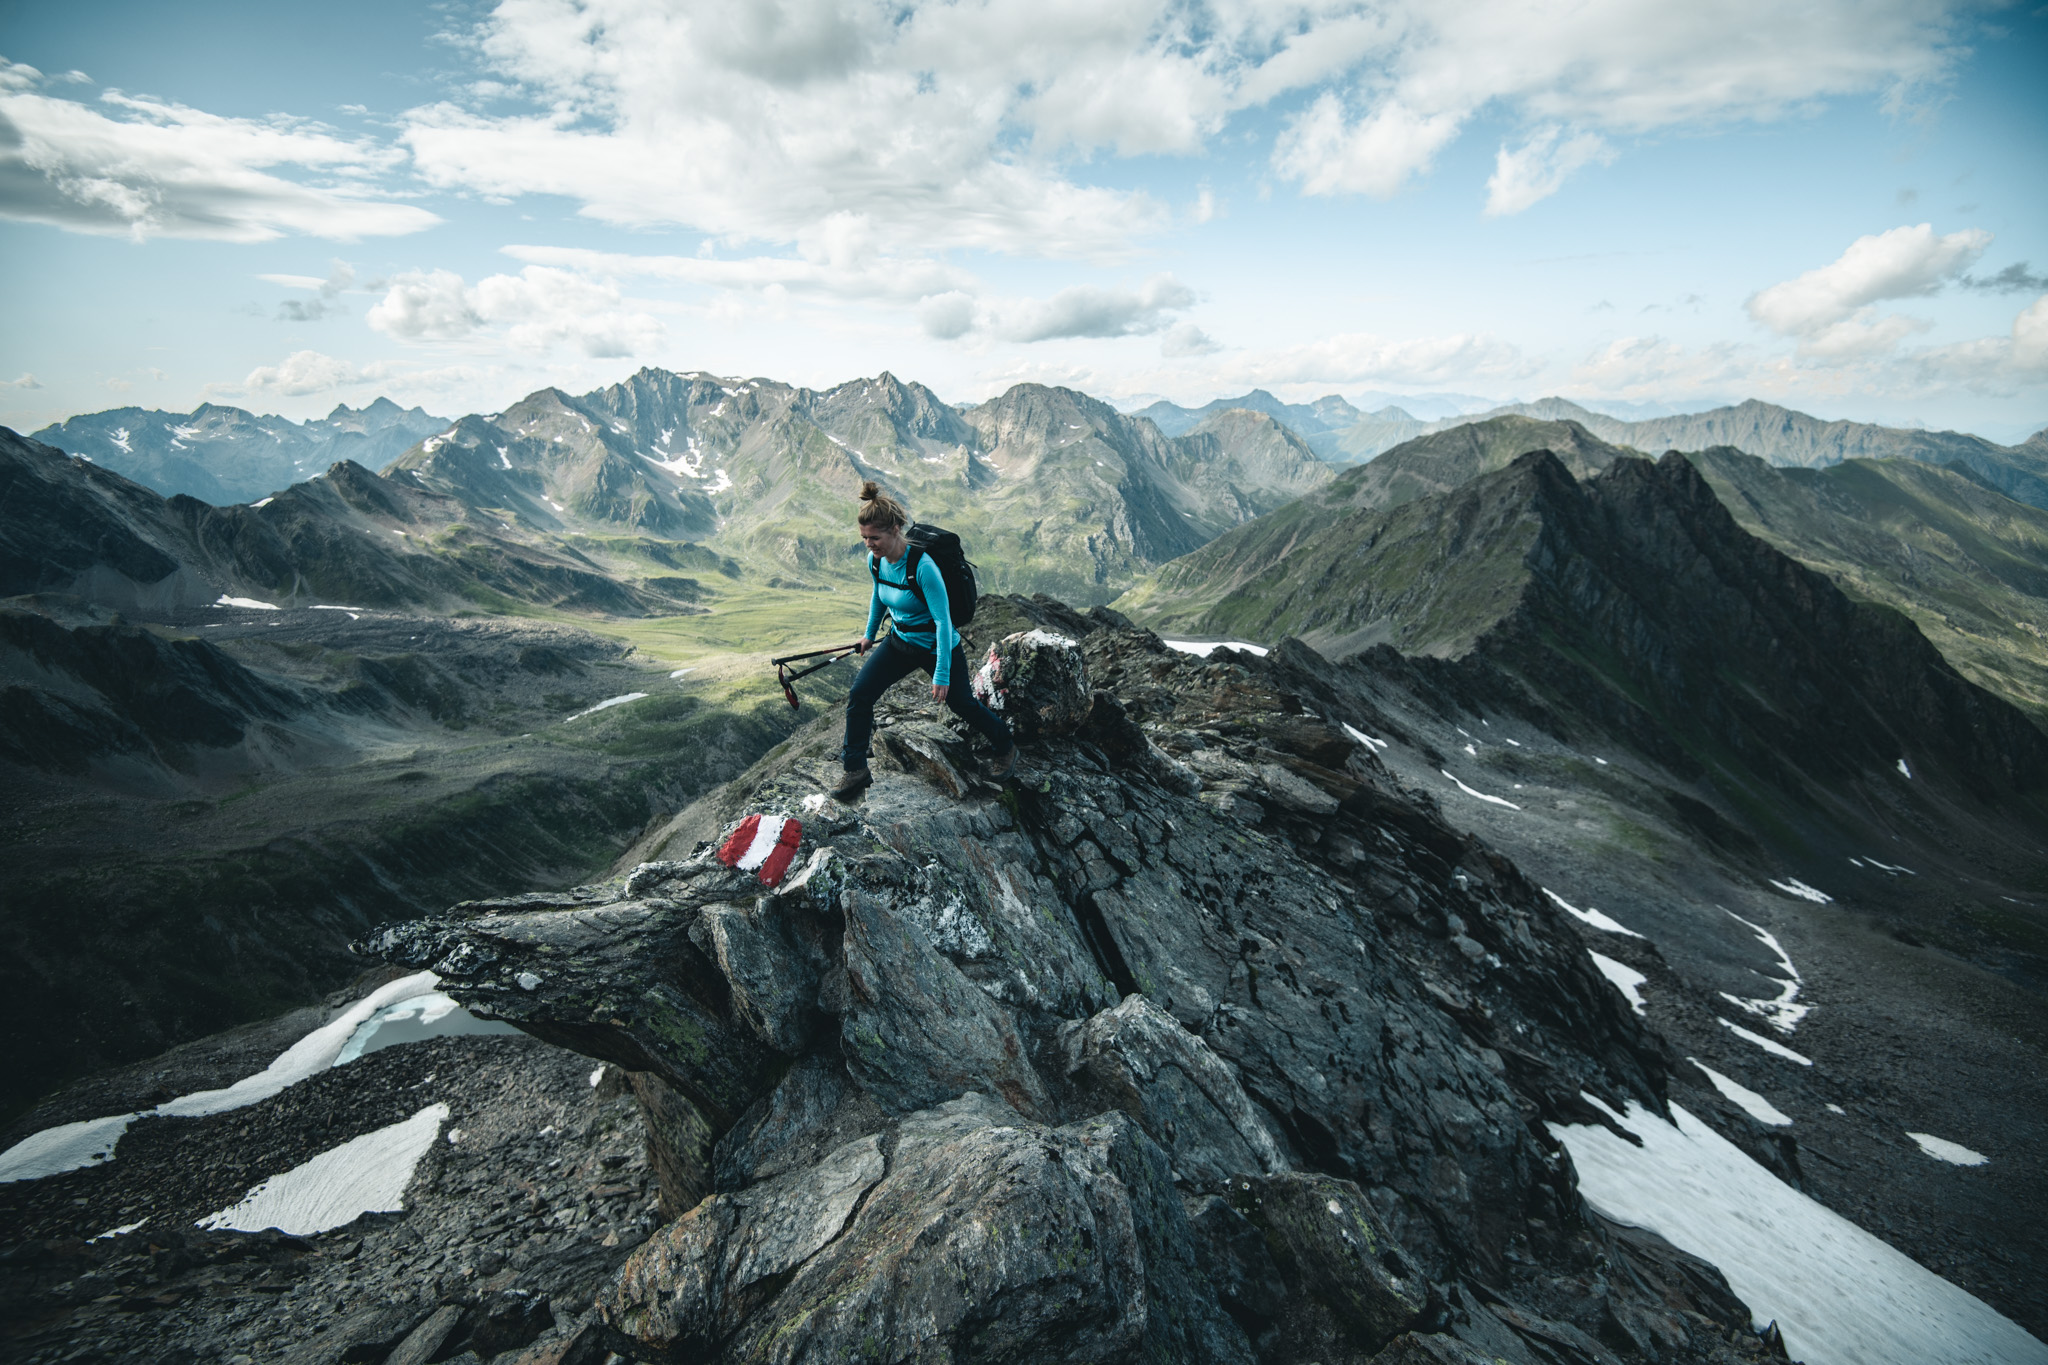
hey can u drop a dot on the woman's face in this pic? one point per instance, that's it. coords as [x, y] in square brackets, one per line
[884, 542]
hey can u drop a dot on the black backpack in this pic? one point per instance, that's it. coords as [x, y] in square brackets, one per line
[944, 548]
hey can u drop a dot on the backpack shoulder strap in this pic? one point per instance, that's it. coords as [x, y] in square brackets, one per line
[912, 557]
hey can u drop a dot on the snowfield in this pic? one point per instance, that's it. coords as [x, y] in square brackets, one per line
[367, 1174]
[1840, 1295]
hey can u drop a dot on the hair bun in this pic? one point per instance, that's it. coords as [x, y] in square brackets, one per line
[870, 490]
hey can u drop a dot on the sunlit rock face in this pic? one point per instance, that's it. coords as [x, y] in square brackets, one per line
[1083, 1067]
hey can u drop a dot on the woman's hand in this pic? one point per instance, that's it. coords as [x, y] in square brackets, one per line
[939, 691]
[863, 646]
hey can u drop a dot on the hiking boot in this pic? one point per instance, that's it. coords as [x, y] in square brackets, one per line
[1003, 766]
[852, 783]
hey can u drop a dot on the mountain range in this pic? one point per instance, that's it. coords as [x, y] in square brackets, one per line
[1757, 715]
[226, 455]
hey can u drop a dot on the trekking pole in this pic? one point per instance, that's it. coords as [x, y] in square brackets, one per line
[787, 677]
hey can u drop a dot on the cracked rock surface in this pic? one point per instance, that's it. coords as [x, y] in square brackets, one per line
[1207, 1044]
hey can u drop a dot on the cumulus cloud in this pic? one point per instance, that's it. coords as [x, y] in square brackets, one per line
[1620, 67]
[539, 309]
[1906, 262]
[1088, 311]
[149, 168]
[27, 381]
[304, 372]
[1539, 167]
[960, 124]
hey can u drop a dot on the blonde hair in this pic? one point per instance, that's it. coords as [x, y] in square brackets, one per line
[879, 509]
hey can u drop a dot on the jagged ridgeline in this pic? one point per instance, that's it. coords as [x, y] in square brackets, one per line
[1631, 605]
[1055, 491]
[1087, 1070]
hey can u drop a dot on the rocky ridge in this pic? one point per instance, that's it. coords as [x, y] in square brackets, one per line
[1090, 1068]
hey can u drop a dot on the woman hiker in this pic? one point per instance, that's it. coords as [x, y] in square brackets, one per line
[924, 638]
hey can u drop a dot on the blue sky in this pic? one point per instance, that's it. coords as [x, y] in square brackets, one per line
[1842, 207]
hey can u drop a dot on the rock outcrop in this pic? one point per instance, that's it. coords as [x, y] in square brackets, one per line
[1088, 1069]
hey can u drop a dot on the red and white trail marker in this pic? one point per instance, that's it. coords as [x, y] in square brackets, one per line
[766, 842]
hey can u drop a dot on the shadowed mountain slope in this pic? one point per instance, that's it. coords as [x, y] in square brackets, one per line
[1633, 605]
[1968, 564]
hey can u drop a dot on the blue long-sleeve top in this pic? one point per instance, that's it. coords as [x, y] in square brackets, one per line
[927, 624]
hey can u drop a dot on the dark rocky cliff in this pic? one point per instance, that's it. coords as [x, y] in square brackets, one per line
[1088, 1068]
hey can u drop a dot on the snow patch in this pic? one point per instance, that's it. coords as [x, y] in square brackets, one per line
[367, 1174]
[264, 502]
[1626, 979]
[121, 1231]
[1954, 1153]
[1203, 648]
[1591, 916]
[1751, 1103]
[1840, 1295]
[504, 457]
[1363, 738]
[681, 671]
[120, 438]
[723, 482]
[67, 1147]
[1770, 1045]
[315, 1052]
[429, 1015]
[1782, 1011]
[249, 602]
[1792, 886]
[606, 704]
[1904, 770]
[1494, 800]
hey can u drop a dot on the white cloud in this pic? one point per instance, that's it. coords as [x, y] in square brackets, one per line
[425, 305]
[947, 316]
[1376, 156]
[1906, 262]
[2001, 365]
[305, 372]
[1614, 66]
[1539, 167]
[540, 308]
[27, 381]
[960, 124]
[836, 270]
[1088, 311]
[153, 168]
[1185, 339]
